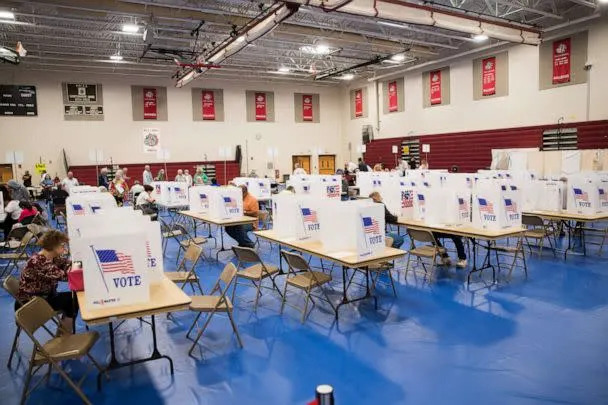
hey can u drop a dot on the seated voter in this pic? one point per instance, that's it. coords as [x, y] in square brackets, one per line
[13, 212]
[297, 170]
[445, 258]
[251, 208]
[145, 197]
[42, 273]
[136, 189]
[27, 210]
[389, 219]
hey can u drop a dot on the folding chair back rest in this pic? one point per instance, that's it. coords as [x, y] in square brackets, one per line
[246, 255]
[388, 241]
[228, 274]
[34, 314]
[295, 261]
[421, 236]
[532, 220]
[27, 239]
[193, 253]
[11, 285]
[263, 217]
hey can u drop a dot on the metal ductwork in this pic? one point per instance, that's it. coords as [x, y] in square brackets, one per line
[255, 29]
[399, 11]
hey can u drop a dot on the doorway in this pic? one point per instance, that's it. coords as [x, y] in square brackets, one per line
[6, 173]
[327, 164]
[302, 160]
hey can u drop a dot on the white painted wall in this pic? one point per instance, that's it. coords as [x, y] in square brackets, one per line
[121, 138]
[525, 104]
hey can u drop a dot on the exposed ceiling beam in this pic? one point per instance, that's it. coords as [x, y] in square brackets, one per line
[585, 3]
[529, 9]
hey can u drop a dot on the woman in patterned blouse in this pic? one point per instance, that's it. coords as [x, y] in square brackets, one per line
[43, 272]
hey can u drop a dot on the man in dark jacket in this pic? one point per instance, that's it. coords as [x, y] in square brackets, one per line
[389, 218]
[362, 165]
[103, 178]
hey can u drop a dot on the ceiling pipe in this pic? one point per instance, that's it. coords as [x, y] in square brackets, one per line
[398, 11]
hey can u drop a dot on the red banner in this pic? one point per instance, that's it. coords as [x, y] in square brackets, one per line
[150, 112]
[358, 103]
[561, 61]
[306, 107]
[208, 105]
[393, 103]
[260, 106]
[435, 80]
[488, 76]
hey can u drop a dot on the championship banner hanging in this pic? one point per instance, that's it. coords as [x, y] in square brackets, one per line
[260, 106]
[150, 98]
[488, 76]
[393, 104]
[561, 61]
[208, 105]
[435, 80]
[307, 107]
[358, 103]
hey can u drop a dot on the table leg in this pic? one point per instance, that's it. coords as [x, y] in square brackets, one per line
[115, 364]
[222, 248]
[485, 265]
[345, 299]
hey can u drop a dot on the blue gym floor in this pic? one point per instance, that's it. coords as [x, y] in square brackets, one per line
[543, 340]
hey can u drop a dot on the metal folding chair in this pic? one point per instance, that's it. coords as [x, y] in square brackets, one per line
[428, 251]
[186, 270]
[17, 254]
[537, 230]
[255, 273]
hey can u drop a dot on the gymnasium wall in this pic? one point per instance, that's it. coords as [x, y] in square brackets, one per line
[525, 104]
[120, 137]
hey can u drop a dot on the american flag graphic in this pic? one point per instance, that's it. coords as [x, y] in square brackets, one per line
[148, 250]
[370, 225]
[309, 215]
[510, 206]
[157, 188]
[485, 206]
[305, 189]
[603, 195]
[94, 208]
[78, 209]
[229, 202]
[462, 205]
[513, 188]
[503, 188]
[421, 199]
[115, 262]
[203, 198]
[580, 195]
[426, 184]
[333, 191]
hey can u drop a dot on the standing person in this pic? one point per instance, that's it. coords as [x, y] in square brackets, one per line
[180, 176]
[424, 164]
[42, 273]
[389, 218]
[119, 188]
[103, 181]
[147, 175]
[298, 170]
[412, 164]
[18, 192]
[362, 166]
[378, 167]
[251, 208]
[200, 177]
[160, 176]
[27, 179]
[125, 175]
[69, 182]
[188, 177]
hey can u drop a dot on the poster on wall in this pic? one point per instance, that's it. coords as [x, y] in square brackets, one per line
[82, 101]
[488, 79]
[151, 137]
[18, 101]
[435, 83]
[561, 61]
[307, 107]
[150, 104]
[393, 103]
[208, 105]
[260, 107]
[358, 103]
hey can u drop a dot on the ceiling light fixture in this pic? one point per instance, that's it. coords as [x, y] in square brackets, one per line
[130, 28]
[116, 57]
[480, 37]
[316, 49]
[398, 57]
[283, 69]
[6, 15]
[240, 39]
[391, 24]
[348, 76]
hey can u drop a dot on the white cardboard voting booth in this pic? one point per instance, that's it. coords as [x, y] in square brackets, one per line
[225, 202]
[258, 187]
[83, 190]
[296, 216]
[171, 193]
[88, 204]
[496, 204]
[320, 186]
[586, 194]
[199, 198]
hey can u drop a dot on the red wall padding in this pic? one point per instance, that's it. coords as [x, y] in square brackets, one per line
[471, 151]
[87, 174]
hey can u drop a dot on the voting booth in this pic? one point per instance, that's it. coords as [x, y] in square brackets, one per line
[225, 202]
[586, 194]
[83, 190]
[86, 204]
[257, 187]
[496, 204]
[296, 216]
[199, 198]
[121, 255]
[442, 206]
[320, 186]
[171, 193]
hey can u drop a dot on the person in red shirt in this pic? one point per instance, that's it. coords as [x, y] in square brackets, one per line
[27, 210]
[42, 273]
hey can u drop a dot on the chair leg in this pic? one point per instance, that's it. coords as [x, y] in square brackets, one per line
[193, 324]
[235, 329]
[200, 333]
[390, 276]
[284, 297]
[28, 378]
[305, 306]
[258, 293]
[234, 290]
[407, 265]
[72, 384]
[14, 347]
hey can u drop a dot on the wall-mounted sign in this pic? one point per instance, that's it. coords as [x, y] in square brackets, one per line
[260, 106]
[150, 104]
[151, 138]
[435, 83]
[393, 103]
[18, 101]
[561, 60]
[358, 103]
[82, 101]
[208, 105]
[488, 76]
[307, 107]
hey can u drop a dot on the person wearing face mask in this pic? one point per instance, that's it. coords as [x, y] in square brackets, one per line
[42, 273]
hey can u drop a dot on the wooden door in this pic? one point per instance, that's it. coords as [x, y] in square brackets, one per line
[327, 164]
[303, 160]
[6, 173]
